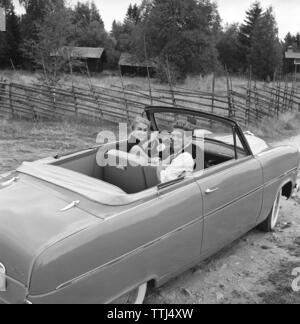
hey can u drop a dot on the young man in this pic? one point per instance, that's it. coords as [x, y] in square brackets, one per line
[182, 162]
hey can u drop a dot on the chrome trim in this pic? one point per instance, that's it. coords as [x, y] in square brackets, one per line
[71, 205]
[210, 191]
[9, 182]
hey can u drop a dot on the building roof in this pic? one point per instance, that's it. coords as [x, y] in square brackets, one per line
[291, 54]
[80, 52]
[128, 59]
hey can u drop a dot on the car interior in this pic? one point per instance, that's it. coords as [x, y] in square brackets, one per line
[214, 142]
[133, 178]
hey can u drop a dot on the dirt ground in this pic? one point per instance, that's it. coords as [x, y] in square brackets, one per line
[256, 269]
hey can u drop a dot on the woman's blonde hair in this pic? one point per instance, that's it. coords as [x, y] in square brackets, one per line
[140, 120]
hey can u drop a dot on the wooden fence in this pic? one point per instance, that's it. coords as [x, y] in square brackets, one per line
[247, 104]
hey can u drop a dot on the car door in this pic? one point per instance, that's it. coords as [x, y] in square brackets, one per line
[180, 206]
[227, 173]
[232, 196]
[232, 193]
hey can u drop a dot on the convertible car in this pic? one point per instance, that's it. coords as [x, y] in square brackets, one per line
[73, 231]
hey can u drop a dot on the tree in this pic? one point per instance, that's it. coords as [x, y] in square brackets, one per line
[89, 31]
[85, 14]
[10, 40]
[228, 48]
[52, 34]
[133, 14]
[253, 15]
[35, 12]
[89, 27]
[124, 34]
[184, 31]
[292, 40]
[265, 54]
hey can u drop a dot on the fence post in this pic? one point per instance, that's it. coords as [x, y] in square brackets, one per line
[285, 96]
[75, 101]
[170, 81]
[11, 100]
[248, 98]
[124, 94]
[95, 96]
[277, 106]
[213, 92]
[34, 114]
[228, 94]
[255, 100]
[148, 72]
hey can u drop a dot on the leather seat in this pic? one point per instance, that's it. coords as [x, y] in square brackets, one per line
[128, 174]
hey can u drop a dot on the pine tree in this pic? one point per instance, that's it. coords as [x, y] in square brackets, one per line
[253, 15]
[265, 55]
[86, 13]
[132, 15]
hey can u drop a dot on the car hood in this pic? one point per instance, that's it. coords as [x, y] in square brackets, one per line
[31, 221]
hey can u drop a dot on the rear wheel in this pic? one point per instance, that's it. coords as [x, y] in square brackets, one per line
[270, 223]
[136, 296]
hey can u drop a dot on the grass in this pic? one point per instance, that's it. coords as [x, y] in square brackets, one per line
[112, 78]
[273, 129]
[23, 140]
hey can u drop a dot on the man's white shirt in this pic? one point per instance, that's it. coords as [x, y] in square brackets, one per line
[183, 164]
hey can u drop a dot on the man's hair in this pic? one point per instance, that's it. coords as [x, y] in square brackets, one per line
[140, 120]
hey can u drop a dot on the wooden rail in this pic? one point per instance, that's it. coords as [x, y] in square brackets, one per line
[245, 104]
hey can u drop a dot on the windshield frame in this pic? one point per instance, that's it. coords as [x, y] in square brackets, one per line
[237, 131]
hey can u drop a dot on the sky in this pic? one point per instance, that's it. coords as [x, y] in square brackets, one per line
[232, 11]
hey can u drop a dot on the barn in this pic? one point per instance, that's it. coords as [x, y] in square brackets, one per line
[130, 65]
[93, 57]
[291, 54]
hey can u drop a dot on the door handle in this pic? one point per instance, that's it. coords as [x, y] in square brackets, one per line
[210, 191]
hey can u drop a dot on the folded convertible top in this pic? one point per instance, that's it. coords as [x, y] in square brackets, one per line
[93, 189]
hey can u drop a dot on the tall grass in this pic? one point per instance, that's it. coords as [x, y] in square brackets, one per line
[274, 129]
[111, 78]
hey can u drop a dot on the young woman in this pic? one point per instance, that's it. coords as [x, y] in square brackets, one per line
[141, 142]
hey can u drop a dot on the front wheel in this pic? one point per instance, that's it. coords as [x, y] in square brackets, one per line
[270, 223]
[134, 297]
